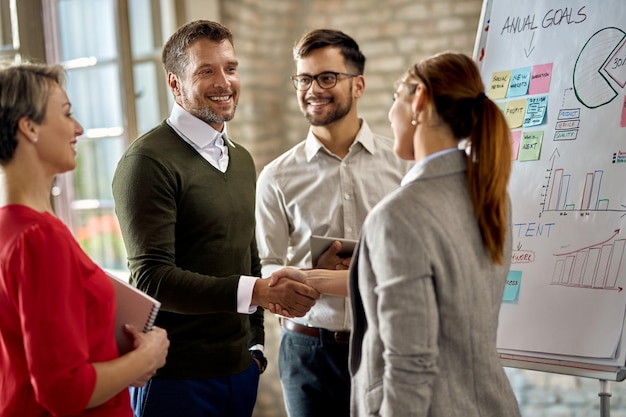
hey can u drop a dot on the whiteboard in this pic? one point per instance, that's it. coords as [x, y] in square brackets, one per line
[557, 69]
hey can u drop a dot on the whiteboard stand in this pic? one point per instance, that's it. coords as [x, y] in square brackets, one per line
[604, 374]
[605, 398]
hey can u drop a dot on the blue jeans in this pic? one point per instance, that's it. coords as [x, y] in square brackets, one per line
[314, 375]
[230, 396]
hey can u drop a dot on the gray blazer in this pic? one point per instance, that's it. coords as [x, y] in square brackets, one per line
[425, 300]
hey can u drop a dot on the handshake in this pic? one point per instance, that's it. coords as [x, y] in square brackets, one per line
[291, 292]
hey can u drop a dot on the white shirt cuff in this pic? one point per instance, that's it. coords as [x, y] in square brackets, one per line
[244, 295]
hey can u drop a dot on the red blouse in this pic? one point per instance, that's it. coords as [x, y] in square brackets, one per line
[57, 317]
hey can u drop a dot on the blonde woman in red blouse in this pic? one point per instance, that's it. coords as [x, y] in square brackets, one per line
[58, 355]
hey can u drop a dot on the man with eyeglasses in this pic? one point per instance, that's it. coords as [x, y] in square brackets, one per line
[325, 186]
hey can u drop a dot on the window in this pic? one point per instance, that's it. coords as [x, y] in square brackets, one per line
[8, 44]
[111, 51]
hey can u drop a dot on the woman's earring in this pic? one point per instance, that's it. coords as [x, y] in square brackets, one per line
[35, 139]
[414, 120]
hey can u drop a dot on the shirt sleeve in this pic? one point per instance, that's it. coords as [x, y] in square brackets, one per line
[244, 295]
[272, 225]
[53, 314]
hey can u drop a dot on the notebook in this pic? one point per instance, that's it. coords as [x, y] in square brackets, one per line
[133, 307]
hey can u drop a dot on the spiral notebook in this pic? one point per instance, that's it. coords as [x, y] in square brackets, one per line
[133, 307]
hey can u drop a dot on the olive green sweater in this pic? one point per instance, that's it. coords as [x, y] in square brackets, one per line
[189, 233]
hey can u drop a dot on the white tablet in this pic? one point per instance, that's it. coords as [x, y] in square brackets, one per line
[320, 244]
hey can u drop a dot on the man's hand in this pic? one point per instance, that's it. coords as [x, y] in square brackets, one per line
[294, 297]
[291, 273]
[330, 259]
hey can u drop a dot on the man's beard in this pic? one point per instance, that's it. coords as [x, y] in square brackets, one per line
[207, 116]
[337, 114]
[204, 112]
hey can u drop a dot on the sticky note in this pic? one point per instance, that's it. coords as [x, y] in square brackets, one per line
[520, 81]
[513, 283]
[499, 84]
[536, 108]
[530, 146]
[540, 79]
[515, 140]
[514, 112]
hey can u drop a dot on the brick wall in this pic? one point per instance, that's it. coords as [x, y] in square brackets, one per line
[393, 34]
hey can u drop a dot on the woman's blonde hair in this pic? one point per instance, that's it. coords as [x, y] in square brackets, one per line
[24, 89]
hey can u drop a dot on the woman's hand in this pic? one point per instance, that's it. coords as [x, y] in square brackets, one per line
[154, 345]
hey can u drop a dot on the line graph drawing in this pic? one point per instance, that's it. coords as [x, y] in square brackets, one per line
[596, 266]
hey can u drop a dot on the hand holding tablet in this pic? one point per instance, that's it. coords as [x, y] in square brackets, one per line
[320, 244]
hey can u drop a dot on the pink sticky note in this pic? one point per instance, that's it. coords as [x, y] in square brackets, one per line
[540, 79]
[623, 122]
[515, 138]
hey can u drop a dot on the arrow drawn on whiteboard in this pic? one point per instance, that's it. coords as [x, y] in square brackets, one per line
[565, 92]
[531, 48]
[555, 153]
[615, 233]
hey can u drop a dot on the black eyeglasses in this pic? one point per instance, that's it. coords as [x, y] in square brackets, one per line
[325, 80]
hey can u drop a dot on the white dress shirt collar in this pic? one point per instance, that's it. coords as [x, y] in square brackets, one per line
[365, 137]
[194, 130]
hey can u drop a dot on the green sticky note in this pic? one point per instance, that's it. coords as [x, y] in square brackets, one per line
[513, 283]
[530, 146]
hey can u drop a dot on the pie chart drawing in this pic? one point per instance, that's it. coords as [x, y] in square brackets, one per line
[600, 68]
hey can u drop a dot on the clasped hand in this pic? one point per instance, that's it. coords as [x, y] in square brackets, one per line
[295, 297]
[329, 277]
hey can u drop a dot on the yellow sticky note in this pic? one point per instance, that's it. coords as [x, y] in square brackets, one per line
[514, 112]
[530, 146]
[499, 84]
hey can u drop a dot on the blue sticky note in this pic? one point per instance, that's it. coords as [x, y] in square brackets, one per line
[520, 81]
[536, 109]
[513, 283]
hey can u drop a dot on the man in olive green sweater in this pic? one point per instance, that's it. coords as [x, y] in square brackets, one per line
[184, 195]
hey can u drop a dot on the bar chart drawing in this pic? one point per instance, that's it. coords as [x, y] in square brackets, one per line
[589, 200]
[557, 195]
[597, 266]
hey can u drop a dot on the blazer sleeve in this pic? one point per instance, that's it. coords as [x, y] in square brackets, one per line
[407, 312]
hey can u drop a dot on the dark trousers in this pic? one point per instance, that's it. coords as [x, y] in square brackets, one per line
[230, 396]
[314, 375]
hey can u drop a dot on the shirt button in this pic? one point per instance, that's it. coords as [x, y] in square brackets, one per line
[346, 196]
